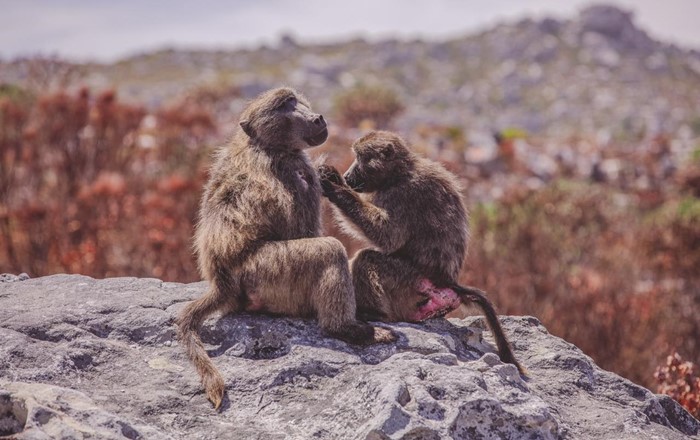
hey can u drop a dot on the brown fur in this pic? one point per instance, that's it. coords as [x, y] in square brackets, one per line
[413, 214]
[258, 236]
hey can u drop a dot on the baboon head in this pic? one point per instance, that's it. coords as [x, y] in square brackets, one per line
[283, 118]
[381, 160]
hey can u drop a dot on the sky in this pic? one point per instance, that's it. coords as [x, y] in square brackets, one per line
[106, 30]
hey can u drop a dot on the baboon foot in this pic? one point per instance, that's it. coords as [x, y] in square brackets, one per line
[438, 301]
[361, 333]
[383, 335]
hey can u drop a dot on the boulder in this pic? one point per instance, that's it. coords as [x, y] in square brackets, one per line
[86, 358]
[616, 25]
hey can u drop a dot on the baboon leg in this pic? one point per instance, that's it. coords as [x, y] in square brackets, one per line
[384, 286]
[295, 276]
[505, 352]
[369, 290]
[218, 297]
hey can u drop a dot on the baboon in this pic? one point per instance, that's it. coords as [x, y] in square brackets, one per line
[413, 214]
[258, 235]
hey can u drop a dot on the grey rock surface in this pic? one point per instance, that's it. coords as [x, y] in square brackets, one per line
[85, 358]
[11, 278]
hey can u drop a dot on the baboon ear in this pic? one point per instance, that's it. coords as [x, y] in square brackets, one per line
[247, 127]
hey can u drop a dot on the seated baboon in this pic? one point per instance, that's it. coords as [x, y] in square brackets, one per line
[257, 238]
[413, 214]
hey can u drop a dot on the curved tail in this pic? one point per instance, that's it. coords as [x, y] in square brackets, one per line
[505, 352]
[189, 323]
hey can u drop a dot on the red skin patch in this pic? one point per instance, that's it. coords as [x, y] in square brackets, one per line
[441, 301]
[255, 303]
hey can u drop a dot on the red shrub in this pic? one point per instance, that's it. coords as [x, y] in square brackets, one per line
[680, 380]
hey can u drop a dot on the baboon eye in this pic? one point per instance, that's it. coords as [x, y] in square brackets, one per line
[288, 104]
[375, 162]
[423, 302]
[386, 153]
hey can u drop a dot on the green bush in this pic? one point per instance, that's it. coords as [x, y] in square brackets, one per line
[367, 103]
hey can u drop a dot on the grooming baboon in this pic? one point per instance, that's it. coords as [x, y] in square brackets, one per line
[413, 213]
[257, 239]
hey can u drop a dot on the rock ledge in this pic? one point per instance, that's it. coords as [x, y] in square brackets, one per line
[85, 358]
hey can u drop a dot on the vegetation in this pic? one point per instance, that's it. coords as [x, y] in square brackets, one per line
[578, 257]
[373, 104]
[680, 380]
[89, 187]
[92, 185]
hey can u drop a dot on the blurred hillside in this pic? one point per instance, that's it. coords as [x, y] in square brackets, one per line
[577, 143]
[595, 73]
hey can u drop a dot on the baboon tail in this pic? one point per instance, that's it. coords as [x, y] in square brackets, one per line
[505, 352]
[189, 323]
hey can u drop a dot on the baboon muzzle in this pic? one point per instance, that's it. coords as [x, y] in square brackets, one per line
[322, 131]
[351, 179]
[319, 121]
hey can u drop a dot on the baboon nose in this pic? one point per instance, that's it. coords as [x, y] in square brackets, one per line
[318, 120]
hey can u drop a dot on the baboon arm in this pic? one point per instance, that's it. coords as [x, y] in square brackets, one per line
[374, 222]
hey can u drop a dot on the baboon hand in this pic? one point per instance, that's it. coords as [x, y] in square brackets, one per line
[330, 179]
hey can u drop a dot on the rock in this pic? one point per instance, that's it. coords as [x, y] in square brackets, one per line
[617, 25]
[11, 278]
[603, 42]
[85, 358]
[40, 411]
[549, 25]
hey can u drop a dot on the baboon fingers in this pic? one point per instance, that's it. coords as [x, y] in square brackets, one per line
[331, 174]
[330, 179]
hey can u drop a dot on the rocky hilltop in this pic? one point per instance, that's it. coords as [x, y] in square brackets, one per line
[596, 73]
[86, 358]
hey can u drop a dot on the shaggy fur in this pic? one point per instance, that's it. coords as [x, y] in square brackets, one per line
[413, 214]
[258, 236]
